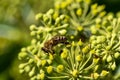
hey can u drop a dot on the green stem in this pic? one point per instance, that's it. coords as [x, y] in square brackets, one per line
[85, 77]
[117, 26]
[74, 23]
[82, 61]
[68, 64]
[88, 22]
[90, 66]
[85, 11]
[58, 77]
[85, 62]
[116, 46]
[71, 59]
[73, 14]
[60, 27]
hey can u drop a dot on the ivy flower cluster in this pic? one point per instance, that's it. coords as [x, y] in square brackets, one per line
[81, 14]
[106, 40]
[81, 59]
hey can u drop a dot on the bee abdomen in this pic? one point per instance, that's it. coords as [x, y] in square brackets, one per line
[59, 39]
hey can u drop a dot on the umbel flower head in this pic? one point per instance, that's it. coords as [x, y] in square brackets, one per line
[74, 62]
[81, 14]
[76, 20]
[106, 40]
[48, 23]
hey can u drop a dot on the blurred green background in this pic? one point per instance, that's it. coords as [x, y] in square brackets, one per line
[15, 18]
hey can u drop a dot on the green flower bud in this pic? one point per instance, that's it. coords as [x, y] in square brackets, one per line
[109, 58]
[22, 55]
[55, 15]
[119, 19]
[96, 68]
[104, 57]
[45, 18]
[33, 78]
[104, 73]
[93, 30]
[110, 17]
[75, 73]
[95, 75]
[65, 25]
[29, 48]
[51, 11]
[103, 38]
[101, 14]
[108, 47]
[100, 8]
[88, 1]
[33, 33]
[116, 55]
[94, 12]
[43, 62]
[79, 12]
[92, 51]
[31, 61]
[60, 68]
[92, 38]
[72, 37]
[23, 50]
[104, 22]
[80, 28]
[27, 68]
[109, 28]
[40, 30]
[64, 54]
[49, 61]
[39, 63]
[94, 43]
[63, 4]
[78, 58]
[99, 46]
[38, 16]
[21, 66]
[41, 76]
[51, 57]
[33, 41]
[38, 36]
[94, 6]
[62, 17]
[98, 39]
[95, 60]
[98, 20]
[57, 21]
[21, 71]
[85, 49]
[32, 72]
[34, 51]
[62, 32]
[73, 43]
[98, 26]
[49, 69]
[80, 43]
[113, 66]
[32, 27]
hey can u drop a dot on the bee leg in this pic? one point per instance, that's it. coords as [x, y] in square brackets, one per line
[52, 51]
[65, 42]
[45, 49]
[61, 52]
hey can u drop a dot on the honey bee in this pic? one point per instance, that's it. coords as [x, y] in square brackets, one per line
[48, 45]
